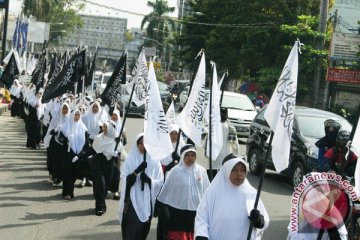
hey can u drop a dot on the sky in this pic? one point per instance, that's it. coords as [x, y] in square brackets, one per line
[137, 6]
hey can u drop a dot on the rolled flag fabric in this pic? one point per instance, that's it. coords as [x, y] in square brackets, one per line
[214, 120]
[156, 132]
[280, 111]
[190, 119]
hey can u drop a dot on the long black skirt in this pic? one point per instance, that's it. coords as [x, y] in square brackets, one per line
[175, 224]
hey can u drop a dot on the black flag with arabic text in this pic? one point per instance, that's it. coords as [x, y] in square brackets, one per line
[10, 71]
[112, 92]
[66, 79]
[89, 76]
[38, 77]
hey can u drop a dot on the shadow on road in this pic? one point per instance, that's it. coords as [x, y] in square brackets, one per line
[276, 232]
[273, 183]
[43, 185]
[57, 216]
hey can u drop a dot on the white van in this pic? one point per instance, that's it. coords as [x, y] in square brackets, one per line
[241, 111]
[101, 83]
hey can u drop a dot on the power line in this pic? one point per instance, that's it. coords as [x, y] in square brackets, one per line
[185, 21]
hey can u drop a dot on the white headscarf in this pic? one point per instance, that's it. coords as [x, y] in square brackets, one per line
[105, 143]
[224, 209]
[118, 123]
[142, 201]
[58, 119]
[75, 132]
[93, 121]
[16, 88]
[168, 159]
[184, 186]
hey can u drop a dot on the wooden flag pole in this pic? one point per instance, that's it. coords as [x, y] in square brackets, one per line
[261, 182]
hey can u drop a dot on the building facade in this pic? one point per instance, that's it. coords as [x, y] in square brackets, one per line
[108, 33]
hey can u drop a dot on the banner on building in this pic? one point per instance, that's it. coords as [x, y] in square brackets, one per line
[343, 75]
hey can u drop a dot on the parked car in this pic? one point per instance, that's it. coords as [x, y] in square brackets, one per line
[308, 127]
[101, 83]
[241, 112]
[164, 94]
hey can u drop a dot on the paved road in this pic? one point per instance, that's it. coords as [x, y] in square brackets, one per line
[31, 208]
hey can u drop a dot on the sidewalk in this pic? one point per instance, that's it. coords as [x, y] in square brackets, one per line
[31, 208]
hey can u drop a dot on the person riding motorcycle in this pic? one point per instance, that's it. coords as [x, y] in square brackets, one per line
[336, 156]
[332, 128]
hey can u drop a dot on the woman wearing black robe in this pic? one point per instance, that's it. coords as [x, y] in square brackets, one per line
[76, 141]
[33, 124]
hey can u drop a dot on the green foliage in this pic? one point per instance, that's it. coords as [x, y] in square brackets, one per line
[55, 12]
[258, 47]
[347, 113]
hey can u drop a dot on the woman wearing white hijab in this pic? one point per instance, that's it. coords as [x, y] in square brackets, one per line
[114, 185]
[180, 196]
[225, 208]
[33, 124]
[102, 151]
[54, 142]
[93, 119]
[15, 91]
[77, 141]
[140, 184]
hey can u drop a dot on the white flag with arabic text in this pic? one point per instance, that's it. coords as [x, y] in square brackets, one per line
[280, 111]
[156, 132]
[191, 117]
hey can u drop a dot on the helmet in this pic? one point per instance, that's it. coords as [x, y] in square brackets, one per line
[332, 123]
[342, 138]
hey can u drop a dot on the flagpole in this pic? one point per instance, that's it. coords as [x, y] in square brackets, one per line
[262, 174]
[125, 117]
[226, 77]
[210, 129]
[142, 182]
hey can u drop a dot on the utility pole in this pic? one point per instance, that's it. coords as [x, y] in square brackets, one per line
[324, 5]
[328, 84]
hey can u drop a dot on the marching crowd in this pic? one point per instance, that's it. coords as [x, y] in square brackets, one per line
[84, 141]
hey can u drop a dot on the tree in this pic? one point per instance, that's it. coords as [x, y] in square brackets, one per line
[55, 12]
[158, 24]
[252, 39]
